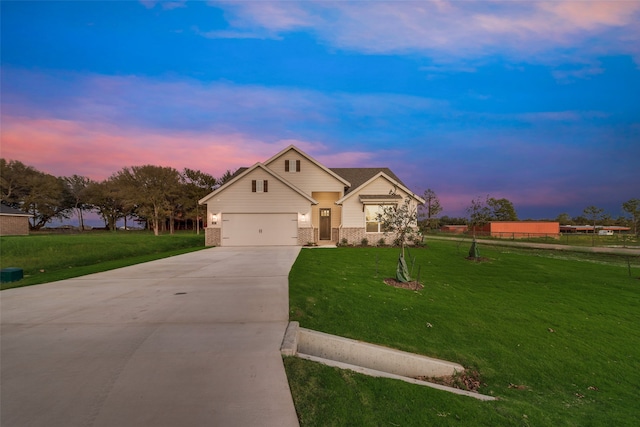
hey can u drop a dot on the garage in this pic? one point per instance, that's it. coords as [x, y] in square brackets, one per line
[263, 229]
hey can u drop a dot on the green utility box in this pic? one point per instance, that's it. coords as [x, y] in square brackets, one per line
[11, 274]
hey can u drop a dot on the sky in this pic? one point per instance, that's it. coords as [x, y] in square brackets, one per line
[537, 102]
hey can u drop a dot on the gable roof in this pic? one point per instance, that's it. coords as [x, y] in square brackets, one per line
[381, 172]
[312, 160]
[247, 171]
[358, 176]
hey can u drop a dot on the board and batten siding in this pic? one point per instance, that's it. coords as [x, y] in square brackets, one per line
[239, 198]
[352, 207]
[310, 178]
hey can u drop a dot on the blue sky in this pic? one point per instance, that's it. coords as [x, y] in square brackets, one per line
[538, 102]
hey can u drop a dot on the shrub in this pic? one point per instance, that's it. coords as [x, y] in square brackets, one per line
[364, 242]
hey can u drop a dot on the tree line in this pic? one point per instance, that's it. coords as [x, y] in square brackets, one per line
[483, 210]
[159, 195]
[153, 195]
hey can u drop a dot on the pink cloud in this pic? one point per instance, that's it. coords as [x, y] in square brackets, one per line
[63, 148]
[452, 29]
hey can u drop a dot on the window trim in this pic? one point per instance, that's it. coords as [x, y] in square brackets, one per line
[379, 224]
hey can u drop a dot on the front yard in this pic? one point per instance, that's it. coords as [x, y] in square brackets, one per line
[554, 336]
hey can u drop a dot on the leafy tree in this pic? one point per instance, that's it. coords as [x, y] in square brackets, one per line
[154, 191]
[453, 220]
[77, 186]
[431, 208]
[196, 184]
[564, 219]
[502, 209]
[13, 182]
[226, 177]
[107, 198]
[42, 195]
[632, 207]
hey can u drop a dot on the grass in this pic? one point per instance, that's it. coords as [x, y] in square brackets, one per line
[50, 257]
[555, 336]
[569, 239]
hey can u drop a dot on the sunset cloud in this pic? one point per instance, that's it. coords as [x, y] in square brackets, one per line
[533, 101]
[452, 30]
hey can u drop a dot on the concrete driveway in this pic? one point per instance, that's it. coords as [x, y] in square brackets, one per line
[191, 340]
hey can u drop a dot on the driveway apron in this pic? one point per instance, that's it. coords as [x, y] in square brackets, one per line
[191, 340]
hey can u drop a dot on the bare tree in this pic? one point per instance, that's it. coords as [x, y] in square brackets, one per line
[401, 220]
[431, 207]
[593, 214]
[632, 207]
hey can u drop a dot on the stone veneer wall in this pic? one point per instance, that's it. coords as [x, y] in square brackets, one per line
[305, 236]
[14, 225]
[212, 236]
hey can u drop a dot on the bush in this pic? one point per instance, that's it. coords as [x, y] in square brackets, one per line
[381, 242]
[364, 242]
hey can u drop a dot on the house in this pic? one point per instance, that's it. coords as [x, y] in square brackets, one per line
[292, 199]
[13, 222]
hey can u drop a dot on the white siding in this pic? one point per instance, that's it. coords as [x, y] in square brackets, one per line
[238, 198]
[310, 178]
[352, 212]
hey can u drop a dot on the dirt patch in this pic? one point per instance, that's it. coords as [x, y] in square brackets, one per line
[477, 259]
[413, 285]
[467, 380]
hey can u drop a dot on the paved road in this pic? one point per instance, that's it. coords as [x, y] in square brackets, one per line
[191, 340]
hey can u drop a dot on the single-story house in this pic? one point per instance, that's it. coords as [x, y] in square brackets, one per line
[13, 222]
[292, 199]
[600, 229]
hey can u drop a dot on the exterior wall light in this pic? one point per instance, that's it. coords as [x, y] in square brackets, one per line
[214, 219]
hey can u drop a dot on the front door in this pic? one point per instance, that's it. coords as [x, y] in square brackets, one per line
[325, 224]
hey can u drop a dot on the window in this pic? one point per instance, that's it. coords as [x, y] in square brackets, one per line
[371, 218]
[259, 186]
[288, 167]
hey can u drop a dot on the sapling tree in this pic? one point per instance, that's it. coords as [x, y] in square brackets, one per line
[401, 221]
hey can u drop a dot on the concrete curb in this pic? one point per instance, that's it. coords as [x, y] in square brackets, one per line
[381, 374]
[369, 359]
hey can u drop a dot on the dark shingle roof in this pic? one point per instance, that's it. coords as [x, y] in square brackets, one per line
[8, 210]
[358, 176]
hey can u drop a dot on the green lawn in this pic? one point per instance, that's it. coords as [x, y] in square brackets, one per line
[50, 257]
[555, 336]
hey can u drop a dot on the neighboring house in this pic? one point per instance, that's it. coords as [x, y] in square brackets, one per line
[292, 199]
[13, 222]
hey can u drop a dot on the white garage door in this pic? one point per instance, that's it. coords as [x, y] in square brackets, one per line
[259, 229]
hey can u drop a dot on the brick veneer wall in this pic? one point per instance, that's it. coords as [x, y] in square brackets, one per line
[305, 236]
[14, 225]
[212, 236]
[354, 236]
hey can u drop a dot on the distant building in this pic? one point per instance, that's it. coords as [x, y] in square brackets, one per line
[455, 229]
[13, 222]
[520, 229]
[604, 230]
